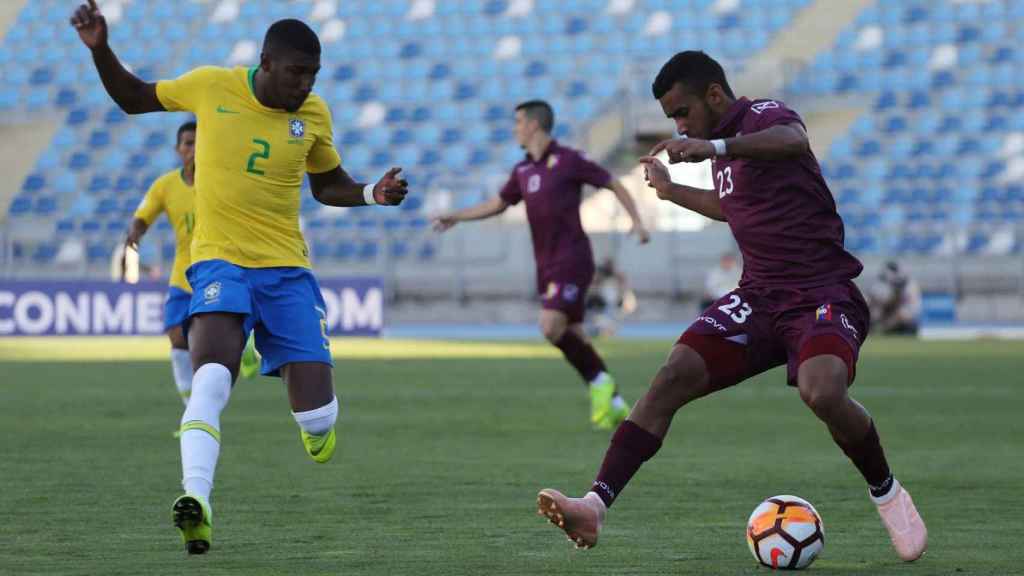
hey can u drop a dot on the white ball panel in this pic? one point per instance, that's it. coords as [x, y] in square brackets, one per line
[775, 542]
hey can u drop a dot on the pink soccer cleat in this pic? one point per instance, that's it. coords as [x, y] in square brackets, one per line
[580, 518]
[906, 529]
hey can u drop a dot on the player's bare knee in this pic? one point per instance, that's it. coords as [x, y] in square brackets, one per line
[823, 384]
[177, 337]
[552, 328]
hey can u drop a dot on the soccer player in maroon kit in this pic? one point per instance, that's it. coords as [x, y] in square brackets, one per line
[796, 303]
[549, 181]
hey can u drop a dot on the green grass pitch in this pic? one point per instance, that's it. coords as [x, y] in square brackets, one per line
[443, 446]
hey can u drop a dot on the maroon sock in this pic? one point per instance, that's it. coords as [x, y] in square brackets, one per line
[631, 446]
[868, 456]
[581, 355]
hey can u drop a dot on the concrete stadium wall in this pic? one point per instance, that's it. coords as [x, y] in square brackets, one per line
[8, 12]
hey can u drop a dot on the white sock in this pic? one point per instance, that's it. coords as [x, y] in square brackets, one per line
[593, 497]
[318, 421]
[893, 491]
[181, 366]
[601, 379]
[200, 436]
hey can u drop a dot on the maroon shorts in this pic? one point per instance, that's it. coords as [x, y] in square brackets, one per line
[751, 330]
[565, 290]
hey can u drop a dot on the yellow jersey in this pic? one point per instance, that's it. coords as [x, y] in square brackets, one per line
[170, 194]
[250, 161]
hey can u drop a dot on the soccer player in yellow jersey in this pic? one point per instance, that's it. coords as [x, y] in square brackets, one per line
[263, 129]
[172, 194]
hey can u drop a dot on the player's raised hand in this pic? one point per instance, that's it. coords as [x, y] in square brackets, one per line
[656, 174]
[391, 189]
[91, 25]
[444, 223]
[685, 150]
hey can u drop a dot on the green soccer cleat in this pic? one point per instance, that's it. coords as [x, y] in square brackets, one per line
[601, 403]
[193, 517]
[250, 366]
[618, 416]
[319, 448]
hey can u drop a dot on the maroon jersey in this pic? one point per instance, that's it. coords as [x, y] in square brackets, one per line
[552, 190]
[780, 211]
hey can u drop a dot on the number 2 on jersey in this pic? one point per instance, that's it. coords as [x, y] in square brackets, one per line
[739, 316]
[265, 154]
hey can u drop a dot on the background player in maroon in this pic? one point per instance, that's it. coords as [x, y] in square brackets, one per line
[796, 304]
[549, 180]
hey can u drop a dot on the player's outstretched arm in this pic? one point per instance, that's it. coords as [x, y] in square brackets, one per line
[337, 188]
[626, 199]
[704, 202]
[774, 143]
[483, 210]
[133, 95]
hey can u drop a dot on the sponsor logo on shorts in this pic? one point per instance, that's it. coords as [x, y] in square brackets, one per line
[713, 322]
[848, 326]
[570, 292]
[552, 291]
[212, 293]
[823, 313]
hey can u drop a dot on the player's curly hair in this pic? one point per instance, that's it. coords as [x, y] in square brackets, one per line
[294, 34]
[693, 69]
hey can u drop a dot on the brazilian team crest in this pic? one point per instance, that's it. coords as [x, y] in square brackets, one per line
[297, 128]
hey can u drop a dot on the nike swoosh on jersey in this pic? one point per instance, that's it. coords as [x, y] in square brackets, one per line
[223, 110]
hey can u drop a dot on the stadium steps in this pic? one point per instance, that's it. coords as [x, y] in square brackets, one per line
[813, 29]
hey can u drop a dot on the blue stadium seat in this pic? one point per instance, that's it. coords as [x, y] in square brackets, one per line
[79, 161]
[65, 227]
[33, 183]
[78, 116]
[368, 251]
[99, 139]
[66, 97]
[45, 206]
[98, 252]
[44, 253]
[20, 205]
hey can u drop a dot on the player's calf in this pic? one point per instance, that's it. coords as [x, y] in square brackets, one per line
[680, 381]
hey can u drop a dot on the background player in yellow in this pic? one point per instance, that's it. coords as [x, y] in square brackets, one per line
[263, 129]
[172, 194]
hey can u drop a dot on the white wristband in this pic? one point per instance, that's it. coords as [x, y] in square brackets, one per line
[368, 195]
[719, 147]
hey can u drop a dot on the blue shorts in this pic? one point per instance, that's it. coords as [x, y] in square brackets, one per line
[176, 307]
[283, 306]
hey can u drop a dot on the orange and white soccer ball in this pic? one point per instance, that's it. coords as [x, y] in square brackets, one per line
[785, 532]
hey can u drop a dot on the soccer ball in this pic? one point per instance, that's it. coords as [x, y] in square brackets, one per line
[785, 532]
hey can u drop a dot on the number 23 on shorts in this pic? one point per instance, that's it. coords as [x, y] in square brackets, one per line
[736, 309]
